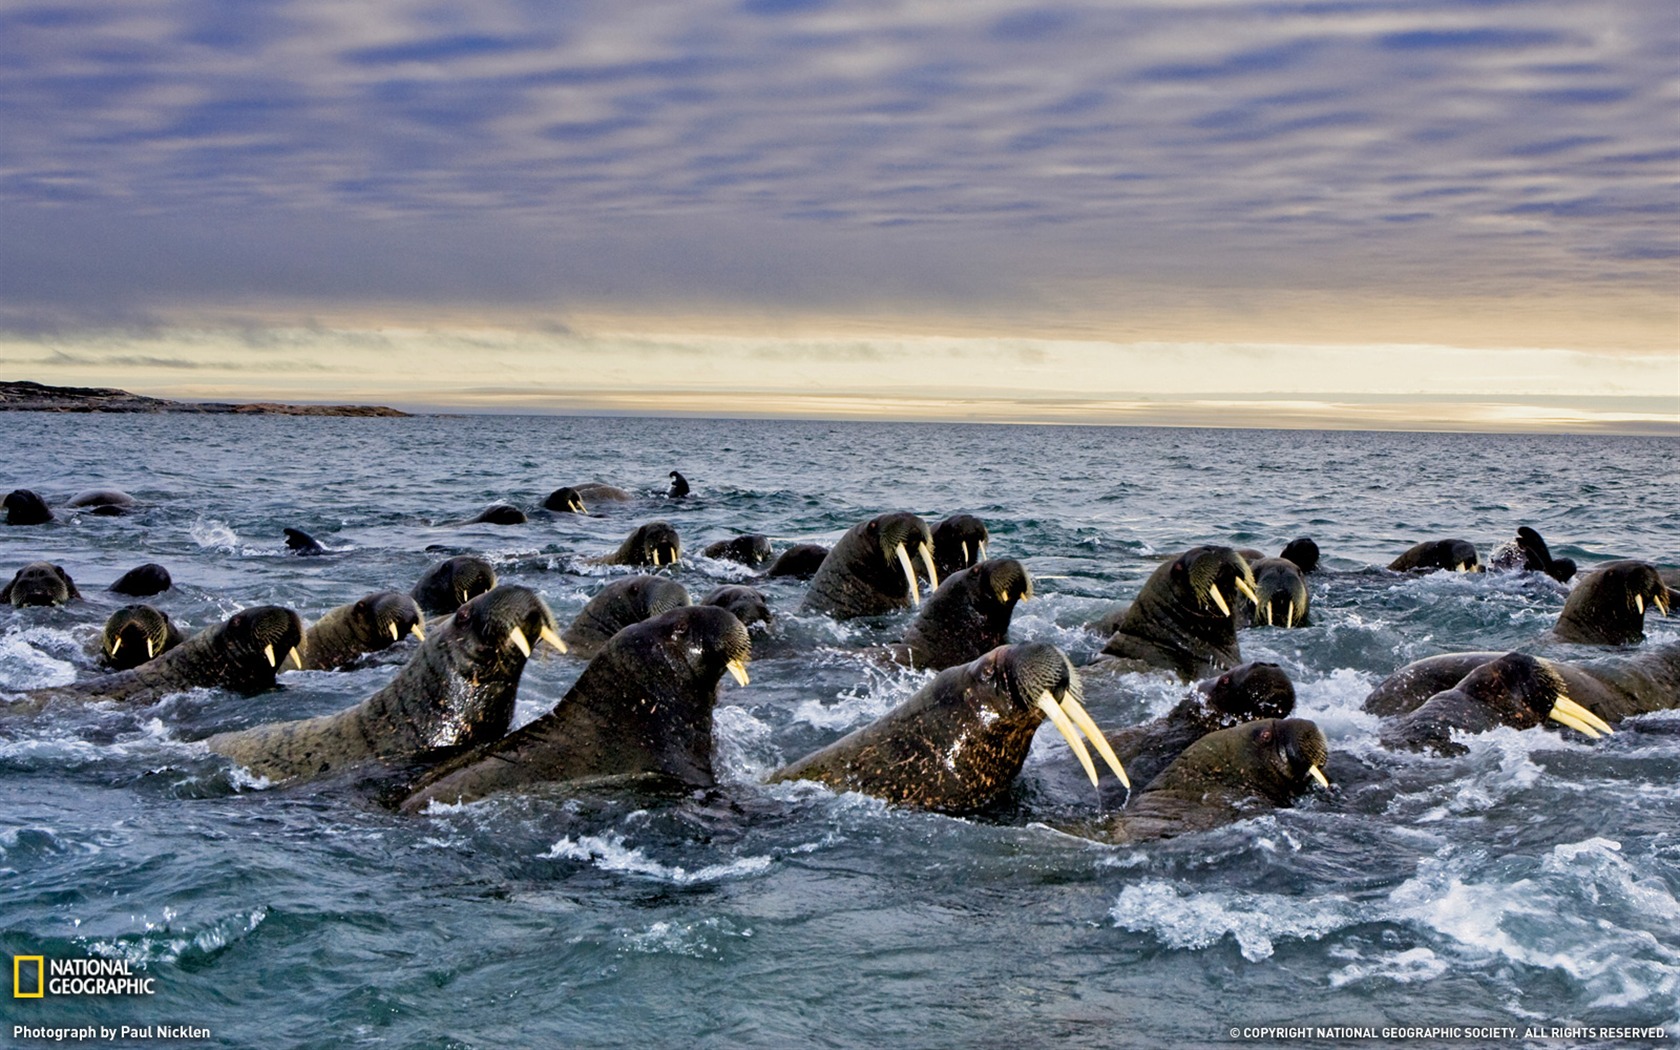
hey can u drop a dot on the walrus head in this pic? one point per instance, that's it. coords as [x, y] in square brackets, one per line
[142, 581]
[655, 543]
[1515, 690]
[39, 583]
[449, 584]
[497, 630]
[384, 617]
[252, 644]
[679, 486]
[1453, 555]
[498, 514]
[958, 542]
[1211, 575]
[135, 634]
[1244, 694]
[747, 550]
[1281, 593]
[620, 604]
[1303, 552]
[1285, 758]
[747, 604]
[565, 500]
[1607, 606]
[1040, 679]
[24, 507]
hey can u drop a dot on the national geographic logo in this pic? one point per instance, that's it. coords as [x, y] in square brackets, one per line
[36, 977]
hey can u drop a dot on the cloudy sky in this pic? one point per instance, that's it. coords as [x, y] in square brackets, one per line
[993, 209]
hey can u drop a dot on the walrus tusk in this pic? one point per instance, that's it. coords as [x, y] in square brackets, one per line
[418, 631]
[1088, 726]
[1639, 603]
[909, 574]
[1218, 599]
[579, 505]
[965, 551]
[1576, 717]
[656, 556]
[293, 661]
[738, 669]
[547, 635]
[268, 651]
[982, 550]
[1269, 621]
[1247, 591]
[927, 559]
[395, 634]
[517, 637]
[1065, 726]
[151, 648]
[1318, 775]
[1661, 603]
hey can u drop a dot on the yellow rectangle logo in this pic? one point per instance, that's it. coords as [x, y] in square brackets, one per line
[40, 962]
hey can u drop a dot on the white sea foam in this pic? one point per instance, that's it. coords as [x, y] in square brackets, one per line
[211, 534]
[25, 663]
[697, 940]
[745, 745]
[609, 853]
[1256, 921]
[880, 693]
[1411, 966]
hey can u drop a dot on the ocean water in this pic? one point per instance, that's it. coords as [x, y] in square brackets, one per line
[1533, 881]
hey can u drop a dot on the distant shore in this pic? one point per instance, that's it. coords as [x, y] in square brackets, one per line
[27, 396]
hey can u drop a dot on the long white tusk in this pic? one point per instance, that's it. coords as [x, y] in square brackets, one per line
[1579, 717]
[418, 631]
[293, 661]
[1247, 591]
[1088, 726]
[1318, 775]
[982, 550]
[268, 651]
[1662, 603]
[1064, 726]
[909, 575]
[151, 648]
[656, 556]
[1289, 615]
[579, 505]
[517, 637]
[738, 669]
[395, 633]
[547, 635]
[118, 645]
[927, 559]
[1269, 621]
[1218, 599]
[965, 551]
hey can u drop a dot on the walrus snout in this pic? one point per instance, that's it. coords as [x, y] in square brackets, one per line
[1250, 691]
[135, 634]
[510, 619]
[959, 542]
[452, 583]
[39, 583]
[261, 637]
[901, 534]
[1215, 572]
[1303, 749]
[1040, 676]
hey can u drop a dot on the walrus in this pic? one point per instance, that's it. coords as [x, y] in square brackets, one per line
[597, 492]
[142, 581]
[966, 616]
[619, 604]
[450, 583]
[24, 507]
[800, 561]
[959, 743]
[958, 542]
[1611, 688]
[1607, 605]
[868, 572]
[1516, 690]
[240, 654]
[751, 551]
[747, 604]
[1281, 595]
[1303, 552]
[1246, 693]
[369, 624]
[565, 500]
[655, 543]
[1453, 555]
[1181, 620]
[108, 503]
[39, 583]
[1529, 553]
[135, 634]
[498, 514]
[302, 543]
[1225, 776]
[679, 486]
[643, 706]
[457, 691]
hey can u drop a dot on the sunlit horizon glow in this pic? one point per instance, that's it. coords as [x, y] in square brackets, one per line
[1431, 215]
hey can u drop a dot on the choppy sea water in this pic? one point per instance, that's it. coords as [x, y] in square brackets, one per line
[1530, 882]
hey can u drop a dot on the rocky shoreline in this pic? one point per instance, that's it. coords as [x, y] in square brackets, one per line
[27, 396]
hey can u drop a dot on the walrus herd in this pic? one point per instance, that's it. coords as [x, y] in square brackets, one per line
[643, 706]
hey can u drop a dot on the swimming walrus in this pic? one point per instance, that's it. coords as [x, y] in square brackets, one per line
[619, 604]
[966, 616]
[679, 486]
[135, 634]
[24, 507]
[241, 654]
[1516, 690]
[142, 581]
[1452, 555]
[1611, 688]
[1246, 693]
[751, 551]
[447, 585]
[598, 492]
[800, 561]
[959, 743]
[868, 572]
[457, 691]
[1281, 595]
[1303, 552]
[369, 624]
[1182, 620]
[643, 707]
[565, 500]
[958, 542]
[747, 604]
[39, 583]
[107, 503]
[1225, 776]
[497, 514]
[1529, 553]
[1607, 605]
[655, 543]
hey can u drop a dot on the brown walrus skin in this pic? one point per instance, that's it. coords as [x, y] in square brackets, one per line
[369, 624]
[966, 617]
[135, 634]
[1607, 605]
[619, 604]
[869, 571]
[1516, 690]
[642, 707]
[457, 691]
[1182, 619]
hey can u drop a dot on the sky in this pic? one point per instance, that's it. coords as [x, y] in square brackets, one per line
[1394, 214]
